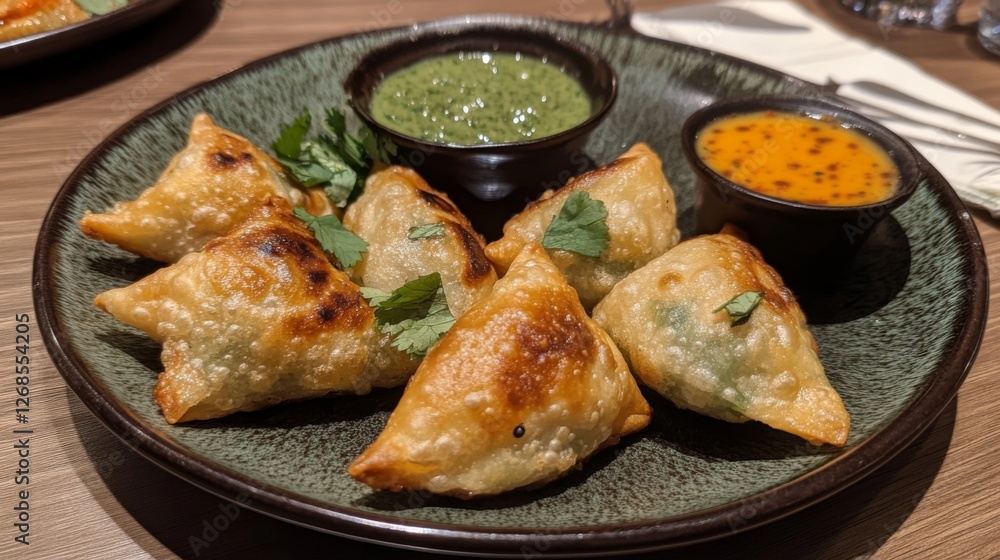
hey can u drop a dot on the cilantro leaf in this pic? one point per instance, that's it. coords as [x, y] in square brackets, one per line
[374, 296]
[412, 298]
[336, 122]
[418, 337]
[580, 226]
[338, 162]
[335, 238]
[416, 313]
[324, 151]
[427, 231]
[309, 173]
[378, 148]
[341, 178]
[289, 142]
[101, 7]
[350, 148]
[741, 306]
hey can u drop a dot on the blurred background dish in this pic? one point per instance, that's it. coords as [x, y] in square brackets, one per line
[67, 27]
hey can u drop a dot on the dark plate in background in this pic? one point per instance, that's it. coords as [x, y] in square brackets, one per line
[896, 340]
[32, 47]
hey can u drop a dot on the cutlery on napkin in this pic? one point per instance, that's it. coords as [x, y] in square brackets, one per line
[957, 133]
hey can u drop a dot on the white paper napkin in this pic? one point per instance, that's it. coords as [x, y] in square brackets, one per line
[782, 35]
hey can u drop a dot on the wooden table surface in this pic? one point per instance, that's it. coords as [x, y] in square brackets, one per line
[92, 497]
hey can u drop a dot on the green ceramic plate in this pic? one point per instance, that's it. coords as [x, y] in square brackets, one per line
[897, 339]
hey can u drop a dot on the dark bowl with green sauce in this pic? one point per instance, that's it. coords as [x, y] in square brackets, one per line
[504, 168]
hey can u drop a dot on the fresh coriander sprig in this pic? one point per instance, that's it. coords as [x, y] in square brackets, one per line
[580, 226]
[334, 237]
[416, 313]
[379, 148]
[741, 306]
[426, 231]
[338, 161]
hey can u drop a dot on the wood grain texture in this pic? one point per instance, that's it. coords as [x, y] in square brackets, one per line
[91, 497]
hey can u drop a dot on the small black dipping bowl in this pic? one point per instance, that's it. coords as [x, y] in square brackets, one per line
[504, 175]
[806, 243]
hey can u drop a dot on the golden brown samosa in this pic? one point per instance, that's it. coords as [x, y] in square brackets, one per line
[641, 223]
[209, 187]
[258, 317]
[395, 202]
[522, 388]
[669, 321]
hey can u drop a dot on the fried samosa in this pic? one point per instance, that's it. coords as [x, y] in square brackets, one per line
[733, 362]
[258, 317]
[209, 187]
[521, 389]
[641, 223]
[413, 230]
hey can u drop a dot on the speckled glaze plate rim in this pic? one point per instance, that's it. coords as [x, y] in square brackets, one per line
[697, 526]
[23, 50]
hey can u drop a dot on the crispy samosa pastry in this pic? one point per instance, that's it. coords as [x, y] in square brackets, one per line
[258, 317]
[413, 230]
[738, 363]
[641, 223]
[209, 187]
[522, 388]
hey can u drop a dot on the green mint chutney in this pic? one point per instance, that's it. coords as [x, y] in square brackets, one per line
[480, 98]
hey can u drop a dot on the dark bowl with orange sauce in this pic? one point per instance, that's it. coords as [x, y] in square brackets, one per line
[806, 238]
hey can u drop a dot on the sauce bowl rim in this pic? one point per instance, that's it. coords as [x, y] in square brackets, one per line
[474, 31]
[899, 150]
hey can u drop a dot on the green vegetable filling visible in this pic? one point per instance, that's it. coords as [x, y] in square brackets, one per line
[714, 353]
[673, 317]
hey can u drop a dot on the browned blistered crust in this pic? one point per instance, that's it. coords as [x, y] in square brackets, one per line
[208, 188]
[525, 357]
[260, 316]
